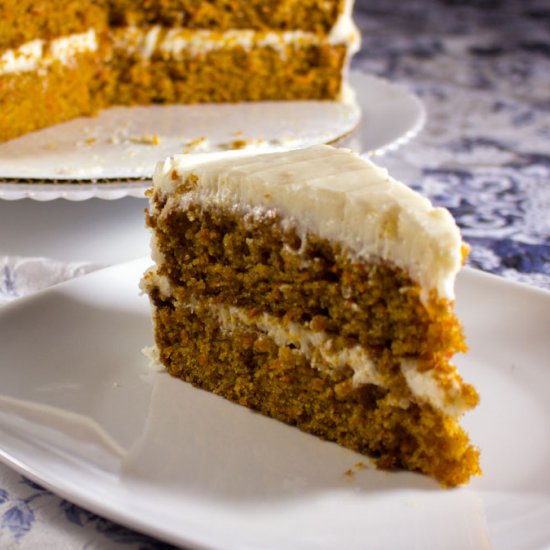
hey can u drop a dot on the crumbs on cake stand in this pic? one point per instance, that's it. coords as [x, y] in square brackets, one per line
[357, 467]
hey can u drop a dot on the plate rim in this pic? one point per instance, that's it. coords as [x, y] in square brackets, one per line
[124, 517]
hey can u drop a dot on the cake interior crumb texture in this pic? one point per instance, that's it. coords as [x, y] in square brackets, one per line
[63, 59]
[298, 317]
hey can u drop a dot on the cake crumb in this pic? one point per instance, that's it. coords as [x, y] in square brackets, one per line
[245, 144]
[357, 467]
[119, 136]
[146, 139]
[286, 141]
[196, 145]
[239, 144]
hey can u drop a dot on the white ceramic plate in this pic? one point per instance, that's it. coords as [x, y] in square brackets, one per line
[117, 149]
[84, 414]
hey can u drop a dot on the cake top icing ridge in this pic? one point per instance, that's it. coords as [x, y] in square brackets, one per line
[336, 194]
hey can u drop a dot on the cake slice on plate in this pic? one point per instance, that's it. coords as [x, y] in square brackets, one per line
[311, 286]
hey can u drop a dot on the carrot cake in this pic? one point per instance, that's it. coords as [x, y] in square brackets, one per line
[312, 287]
[63, 59]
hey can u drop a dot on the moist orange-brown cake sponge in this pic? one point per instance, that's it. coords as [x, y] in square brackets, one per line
[312, 287]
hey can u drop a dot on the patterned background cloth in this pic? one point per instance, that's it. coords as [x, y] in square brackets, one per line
[482, 69]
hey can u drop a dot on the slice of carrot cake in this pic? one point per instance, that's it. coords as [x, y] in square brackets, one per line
[314, 288]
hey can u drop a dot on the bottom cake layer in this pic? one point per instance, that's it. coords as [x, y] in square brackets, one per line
[247, 366]
[232, 74]
[34, 99]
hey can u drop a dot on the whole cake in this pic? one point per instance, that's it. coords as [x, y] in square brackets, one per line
[62, 59]
[314, 288]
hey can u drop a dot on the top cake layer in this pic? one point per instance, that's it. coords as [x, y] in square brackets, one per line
[23, 21]
[370, 213]
[317, 16]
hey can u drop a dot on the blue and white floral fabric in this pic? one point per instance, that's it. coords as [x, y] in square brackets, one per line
[21, 276]
[33, 517]
[482, 69]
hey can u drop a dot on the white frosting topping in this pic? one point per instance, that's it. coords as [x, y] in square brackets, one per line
[172, 42]
[334, 194]
[39, 54]
[425, 386]
[306, 341]
[344, 30]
